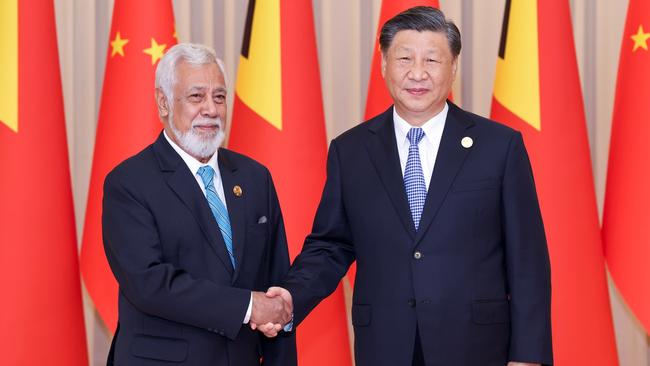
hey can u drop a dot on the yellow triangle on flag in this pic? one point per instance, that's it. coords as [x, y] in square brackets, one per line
[516, 84]
[259, 77]
[9, 64]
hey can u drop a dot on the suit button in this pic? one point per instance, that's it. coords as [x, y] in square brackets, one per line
[411, 303]
[417, 255]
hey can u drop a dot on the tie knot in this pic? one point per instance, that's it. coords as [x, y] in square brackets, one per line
[415, 135]
[206, 173]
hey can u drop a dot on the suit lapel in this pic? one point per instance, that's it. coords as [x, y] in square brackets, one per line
[382, 149]
[231, 177]
[450, 158]
[180, 180]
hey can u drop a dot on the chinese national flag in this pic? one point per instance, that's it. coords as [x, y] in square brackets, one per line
[41, 315]
[626, 229]
[537, 91]
[378, 98]
[141, 32]
[278, 120]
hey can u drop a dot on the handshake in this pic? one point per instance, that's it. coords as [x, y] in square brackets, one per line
[271, 311]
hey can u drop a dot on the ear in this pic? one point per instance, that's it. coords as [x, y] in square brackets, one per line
[454, 68]
[162, 103]
[383, 65]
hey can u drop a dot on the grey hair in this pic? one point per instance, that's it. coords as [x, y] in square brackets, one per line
[193, 54]
[420, 18]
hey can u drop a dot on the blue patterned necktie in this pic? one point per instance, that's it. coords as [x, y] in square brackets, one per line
[416, 189]
[218, 208]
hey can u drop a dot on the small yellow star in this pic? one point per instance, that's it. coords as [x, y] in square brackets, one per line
[175, 35]
[118, 45]
[640, 39]
[155, 51]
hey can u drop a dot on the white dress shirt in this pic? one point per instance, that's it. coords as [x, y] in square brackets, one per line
[194, 166]
[428, 146]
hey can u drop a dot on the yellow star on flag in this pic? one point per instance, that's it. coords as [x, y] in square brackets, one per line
[640, 39]
[118, 45]
[155, 51]
[175, 35]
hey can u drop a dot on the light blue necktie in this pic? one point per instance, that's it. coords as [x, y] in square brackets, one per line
[416, 189]
[218, 208]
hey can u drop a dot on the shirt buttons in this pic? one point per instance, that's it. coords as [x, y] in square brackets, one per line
[417, 255]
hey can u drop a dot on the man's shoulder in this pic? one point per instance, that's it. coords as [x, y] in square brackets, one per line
[241, 161]
[361, 130]
[483, 124]
[134, 166]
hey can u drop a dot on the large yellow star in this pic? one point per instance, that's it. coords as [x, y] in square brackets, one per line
[640, 39]
[155, 51]
[118, 45]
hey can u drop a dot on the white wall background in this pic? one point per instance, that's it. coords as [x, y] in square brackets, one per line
[345, 35]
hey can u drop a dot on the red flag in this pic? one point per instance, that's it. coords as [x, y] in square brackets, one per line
[41, 315]
[278, 120]
[378, 98]
[625, 218]
[128, 121]
[537, 91]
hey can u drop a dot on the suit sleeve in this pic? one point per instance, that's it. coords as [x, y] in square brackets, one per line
[527, 261]
[281, 350]
[152, 285]
[327, 252]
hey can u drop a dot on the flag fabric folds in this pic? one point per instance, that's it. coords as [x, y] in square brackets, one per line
[41, 314]
[141, 32]
[537, 91]
[625, 217]
[278, 120]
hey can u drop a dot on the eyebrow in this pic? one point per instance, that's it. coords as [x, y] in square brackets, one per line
[220, 89]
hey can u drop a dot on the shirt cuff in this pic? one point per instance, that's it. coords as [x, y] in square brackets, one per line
[247, 318]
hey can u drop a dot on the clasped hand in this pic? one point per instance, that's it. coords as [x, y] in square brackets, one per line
[271, 311]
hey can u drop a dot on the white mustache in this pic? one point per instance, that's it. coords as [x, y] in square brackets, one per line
[207, 122]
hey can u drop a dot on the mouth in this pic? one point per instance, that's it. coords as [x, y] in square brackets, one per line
[417, 91]
[206, 128]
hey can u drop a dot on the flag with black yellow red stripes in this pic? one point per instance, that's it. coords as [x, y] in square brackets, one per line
[278, 120]
[537, 91]
[41, 314]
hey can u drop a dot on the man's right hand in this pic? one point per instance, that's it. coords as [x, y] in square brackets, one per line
[270, 313]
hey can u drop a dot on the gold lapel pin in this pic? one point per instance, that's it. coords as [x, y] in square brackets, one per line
[237, 191]
[467, 142]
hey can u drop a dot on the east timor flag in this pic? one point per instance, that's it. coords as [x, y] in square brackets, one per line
[141, 32]
[278, 120]
[626, 222]
[41, 315]
[537, 91]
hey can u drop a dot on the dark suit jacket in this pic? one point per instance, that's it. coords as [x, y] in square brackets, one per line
[474, 279]
[180, 300]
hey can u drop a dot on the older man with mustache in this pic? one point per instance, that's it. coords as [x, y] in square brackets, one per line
[194, 234]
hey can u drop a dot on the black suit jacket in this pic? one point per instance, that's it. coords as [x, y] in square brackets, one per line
[474, 279]
[180, 300]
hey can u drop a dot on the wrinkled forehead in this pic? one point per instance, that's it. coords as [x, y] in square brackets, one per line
[204, 77]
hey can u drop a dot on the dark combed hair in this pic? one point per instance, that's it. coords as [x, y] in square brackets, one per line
[420, 18]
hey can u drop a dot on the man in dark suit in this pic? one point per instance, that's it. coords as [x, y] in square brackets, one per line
[438, 208]
[194, 234]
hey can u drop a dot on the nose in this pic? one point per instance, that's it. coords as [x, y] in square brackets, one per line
[418, 71]
[210, 108]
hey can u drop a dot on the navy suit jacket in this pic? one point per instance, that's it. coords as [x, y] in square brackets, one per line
[180, 300]
[474, 280]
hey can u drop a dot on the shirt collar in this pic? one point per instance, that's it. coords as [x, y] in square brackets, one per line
[402, 127]
[191, 162]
